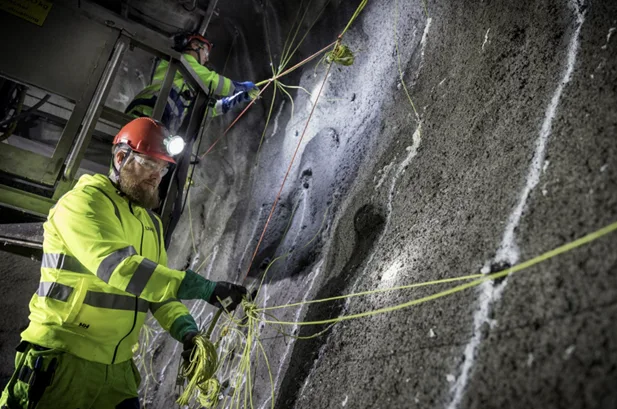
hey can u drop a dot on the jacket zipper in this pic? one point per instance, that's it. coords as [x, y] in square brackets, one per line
[113, 360]
[141, 244]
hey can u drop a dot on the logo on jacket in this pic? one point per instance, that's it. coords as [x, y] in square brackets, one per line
[86, 326]
[149, 228]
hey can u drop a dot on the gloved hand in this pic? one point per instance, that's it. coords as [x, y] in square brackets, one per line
[227, 295]
[195, 287]
[228, 102]
[244, 86]
[182, 326]
[188, 346]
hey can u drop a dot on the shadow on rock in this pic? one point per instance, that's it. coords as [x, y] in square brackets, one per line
[368, 225]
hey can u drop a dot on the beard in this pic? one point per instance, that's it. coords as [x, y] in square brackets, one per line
[137, 190]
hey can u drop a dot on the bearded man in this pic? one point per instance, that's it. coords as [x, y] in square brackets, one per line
[104, 267]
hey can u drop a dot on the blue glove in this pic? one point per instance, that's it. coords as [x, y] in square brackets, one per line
[195, 287]
[229, 102]
[244, 86]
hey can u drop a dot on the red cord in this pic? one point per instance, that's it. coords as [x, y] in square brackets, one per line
[278, 196]
[235, 120]
[305, 61]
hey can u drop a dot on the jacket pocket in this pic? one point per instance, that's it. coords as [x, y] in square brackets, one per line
[35, 374]
[76, 301]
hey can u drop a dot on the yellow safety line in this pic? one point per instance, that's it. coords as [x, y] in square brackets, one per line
[381, 290]
[519, 267]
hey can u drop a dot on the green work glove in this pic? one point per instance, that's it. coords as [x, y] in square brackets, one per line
[188, 346]
[195, 287]
[182, 327]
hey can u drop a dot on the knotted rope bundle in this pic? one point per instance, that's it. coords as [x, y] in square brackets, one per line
[341, 54]
[199, 372]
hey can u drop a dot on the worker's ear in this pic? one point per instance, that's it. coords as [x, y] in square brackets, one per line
[119, 157]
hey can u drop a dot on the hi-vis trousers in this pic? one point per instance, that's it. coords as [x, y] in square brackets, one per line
[51, 379]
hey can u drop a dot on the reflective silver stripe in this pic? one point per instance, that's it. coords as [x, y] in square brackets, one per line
[54, 290]
[154, 306]
[115, 301]
[112, 202]
[141, 276]
[185, 102]
[220, 85]
[173, 106]
[63, 262]
[232, 88]
[109, 264]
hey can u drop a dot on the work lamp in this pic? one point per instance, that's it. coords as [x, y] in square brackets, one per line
[174, 145]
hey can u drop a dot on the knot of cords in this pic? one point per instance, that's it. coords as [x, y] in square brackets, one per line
[250, 309]
[340, 54]
[199, 372]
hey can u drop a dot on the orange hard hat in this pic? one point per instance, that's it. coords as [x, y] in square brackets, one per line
[183, 40]
[146, 136]
[201, 39]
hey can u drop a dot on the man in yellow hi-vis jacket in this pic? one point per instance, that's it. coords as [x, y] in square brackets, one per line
[104, 267]
[196, 49]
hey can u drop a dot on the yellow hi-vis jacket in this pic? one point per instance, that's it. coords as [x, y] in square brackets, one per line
[104, 266]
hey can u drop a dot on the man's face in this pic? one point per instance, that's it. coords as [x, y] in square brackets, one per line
[202, 51]
[140, 178]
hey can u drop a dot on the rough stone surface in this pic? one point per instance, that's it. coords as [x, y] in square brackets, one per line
[512, 153]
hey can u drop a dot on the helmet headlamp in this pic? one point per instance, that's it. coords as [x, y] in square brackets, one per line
[174, 145]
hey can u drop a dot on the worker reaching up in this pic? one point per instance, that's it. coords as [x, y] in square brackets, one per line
[104, 267]
[196, 49]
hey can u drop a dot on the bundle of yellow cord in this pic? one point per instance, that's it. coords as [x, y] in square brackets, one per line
[341, 54]
[200, 374]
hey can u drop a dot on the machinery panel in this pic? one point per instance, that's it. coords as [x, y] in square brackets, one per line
[63, 56]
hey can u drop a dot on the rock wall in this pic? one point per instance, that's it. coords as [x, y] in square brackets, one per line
[511, 154]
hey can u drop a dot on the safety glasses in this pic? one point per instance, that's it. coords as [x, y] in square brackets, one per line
[206, 50]
[151, 164]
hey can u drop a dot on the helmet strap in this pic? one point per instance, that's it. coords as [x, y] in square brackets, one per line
[115, 177]
[194, 50]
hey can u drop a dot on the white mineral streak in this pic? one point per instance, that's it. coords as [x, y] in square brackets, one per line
[508, 251]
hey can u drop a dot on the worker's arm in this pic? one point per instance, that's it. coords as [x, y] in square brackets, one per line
[174, 318]
[91, 229]
[172, 315]
[221, 86]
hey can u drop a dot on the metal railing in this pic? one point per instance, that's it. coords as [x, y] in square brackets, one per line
[60, 170]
